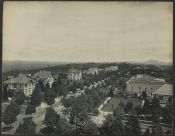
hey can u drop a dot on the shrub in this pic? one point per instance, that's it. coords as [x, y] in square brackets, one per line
[128, 107]
[30, 109]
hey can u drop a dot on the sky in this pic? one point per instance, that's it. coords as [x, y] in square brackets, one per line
[88, 31]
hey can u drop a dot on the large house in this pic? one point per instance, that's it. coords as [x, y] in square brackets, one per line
[111, 68]
[21, 83]
[140, 83]
[74, 74]
[44, 76]
[164, 93]
[93, 71]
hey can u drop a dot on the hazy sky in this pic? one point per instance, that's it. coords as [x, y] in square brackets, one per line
[88, 31]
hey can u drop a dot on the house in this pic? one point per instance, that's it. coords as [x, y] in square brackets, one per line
[93, 71]
[111, 68]
[21, 83]
[74, 74]
[164, 93]
[140, 83]
[44, 76]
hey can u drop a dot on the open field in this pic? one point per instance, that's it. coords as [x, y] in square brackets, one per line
[116, 100]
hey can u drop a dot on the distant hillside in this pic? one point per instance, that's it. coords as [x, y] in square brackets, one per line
[27, 65]
[155, 62]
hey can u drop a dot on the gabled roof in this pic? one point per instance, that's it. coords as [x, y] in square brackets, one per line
[146, 80]
[20, 79]
[42, 74]
[166, 89]
[74, 70]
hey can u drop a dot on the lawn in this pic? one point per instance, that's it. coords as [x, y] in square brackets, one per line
[116, 100]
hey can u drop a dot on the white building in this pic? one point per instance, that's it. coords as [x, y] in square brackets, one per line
[111, 68]
[164, 93]
[74, 74]
[44, 76]
[21, 83]
[139, 83]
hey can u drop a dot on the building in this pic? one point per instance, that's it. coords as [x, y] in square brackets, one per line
[111, 68]
[164, 93]
[140, 83]
[44, 76]
[21, 83]
[93, 71]
[74, 74]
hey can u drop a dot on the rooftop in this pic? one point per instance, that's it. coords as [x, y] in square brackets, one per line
[42, 74]
[148, 80]
[20, 79]
[166, 89]
[74, 70]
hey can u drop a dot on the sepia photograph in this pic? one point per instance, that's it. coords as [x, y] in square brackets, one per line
[87, 68]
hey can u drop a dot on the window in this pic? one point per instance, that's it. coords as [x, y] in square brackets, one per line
[139, 88]
[160, 97]
[132, 88]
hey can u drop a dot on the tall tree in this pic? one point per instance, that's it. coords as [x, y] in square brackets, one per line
[64, 128]
[36, 97]
[156, 109]
[51, 118]
[10, 114]
[49, 96]
[28, 127]
[30, 109]
[128, 107]
[113, 126]
[5, 93]
[134, 123]
[20, 97]
[157, 130]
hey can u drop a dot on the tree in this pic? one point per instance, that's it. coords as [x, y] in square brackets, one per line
[128, 129]
[13, 107]
[156, 109]
[28, 127]
[119, 112]
[146, 107]
[89, 128]
[147, 132]
[41, 85]
[144, 95]
[10, 114]
[20, 97]
[167, 115]
[8, 118]
[51, 118]
[64, 128]
[134, 123]
[5, 93]
[112, 125]
[128, 107]
[157, 130]
[49, 96]
[36, 97]
[111, 93]
[138, 109]
[30, 109]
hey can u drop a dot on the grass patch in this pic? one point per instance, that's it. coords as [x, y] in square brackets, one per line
[115, 102]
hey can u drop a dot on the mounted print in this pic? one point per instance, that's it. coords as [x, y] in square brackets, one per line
[87, 68]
